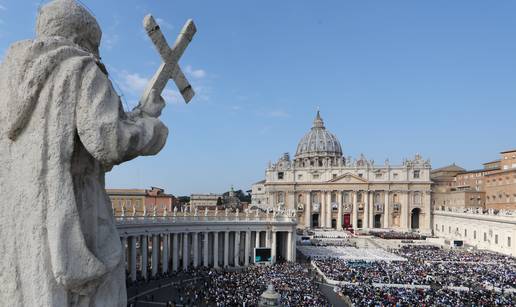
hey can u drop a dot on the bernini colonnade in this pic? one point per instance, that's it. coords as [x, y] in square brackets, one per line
[155, 245]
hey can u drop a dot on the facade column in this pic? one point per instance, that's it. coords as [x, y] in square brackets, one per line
[273, 247]
[237, 249]
[164, 255]
[247, 247]
[339, 210]
[289, 246]
[195, 243]
[216, 249]
[427, 227]
[206, 249]
[365, 217]
[355, 210]
[155, 254]
[268, 238]
[144, 251]
[386, 213]
[322, 209]
[186, 252]
[329, 209]
[175, 252]
[226, 249]
[404, 215]
[371, 209]
[308, 213]
[132, 244]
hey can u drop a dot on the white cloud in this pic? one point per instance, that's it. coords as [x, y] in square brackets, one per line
[164, 24]
[195, 73]
[278, 113]
[132, 83]
[3, 8]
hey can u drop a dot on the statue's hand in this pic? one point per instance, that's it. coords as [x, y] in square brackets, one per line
[152, 105]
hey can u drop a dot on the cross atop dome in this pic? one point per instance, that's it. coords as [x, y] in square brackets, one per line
[318, 122]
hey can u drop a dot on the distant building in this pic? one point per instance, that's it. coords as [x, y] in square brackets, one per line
[202, 201]
[141, 202]
[258, 193]
[500, 182]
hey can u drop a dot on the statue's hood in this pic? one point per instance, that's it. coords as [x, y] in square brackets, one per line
[68, 19]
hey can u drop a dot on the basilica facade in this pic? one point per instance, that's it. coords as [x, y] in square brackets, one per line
[329, 190]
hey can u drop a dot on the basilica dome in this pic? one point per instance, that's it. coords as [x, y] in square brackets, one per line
[318, 142]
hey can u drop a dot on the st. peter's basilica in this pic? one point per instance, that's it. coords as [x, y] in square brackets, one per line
[332, 191]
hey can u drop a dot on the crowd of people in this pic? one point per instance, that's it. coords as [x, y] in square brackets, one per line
[395, 235]
[291, 280]
[210, 287]
[369, 295]
[431, 268]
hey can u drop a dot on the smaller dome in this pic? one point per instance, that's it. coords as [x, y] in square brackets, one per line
[318, 142]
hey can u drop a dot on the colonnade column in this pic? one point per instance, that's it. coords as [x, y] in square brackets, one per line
[216, 250]
[329, 209]
[195, 243]
[308, 213]
[145, 251]
[226, 249]
[164, 255]
[339, 210]
[355, 210]
[206, 249]
[289, 246]
[175, 252]
[247, 247]
[237, 249]
[386, 213]
[257, 239]
[186, 252]
[273, 247]
[155, 254]
[132, 256]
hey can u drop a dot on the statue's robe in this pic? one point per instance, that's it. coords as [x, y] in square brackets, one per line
[62, 127]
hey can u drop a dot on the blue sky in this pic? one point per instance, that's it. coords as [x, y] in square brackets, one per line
[391, 78]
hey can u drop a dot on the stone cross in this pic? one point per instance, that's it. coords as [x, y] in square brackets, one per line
[169, 69]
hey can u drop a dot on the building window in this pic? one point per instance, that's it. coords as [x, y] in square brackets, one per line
[436, 227]
[378, 175]
[508, 241]
[259, 189]
[395, 175]
[280, 175]
[416, 174]
[300, 176]
[485, 237]
[442, 228]
[316, 176]
[474, 234]
[449, 229]
[334, 176]
[465, 232]
[496, 239]
[360, 175]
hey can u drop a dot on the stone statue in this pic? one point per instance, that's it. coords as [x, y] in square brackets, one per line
[175, 211]
[62, 126]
